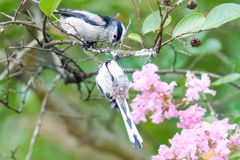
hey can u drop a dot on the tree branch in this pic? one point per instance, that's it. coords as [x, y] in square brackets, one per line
[139, 22]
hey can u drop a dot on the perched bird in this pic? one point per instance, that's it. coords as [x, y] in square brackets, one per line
[113, 82]
[91, 27]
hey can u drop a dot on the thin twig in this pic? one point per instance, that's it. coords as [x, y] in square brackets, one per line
[8, 106]
[125, 34]
[27, 88]
[140, 26]
[44, 28]
[15, 15]
[13, 153]
[42, 112]
[160, 9]
[40, 44]
[65, 32]
[175, 56]
[24, 23]
[209, 105]
[160, 31]
[19, 55]
[8, 72]
[90, 91]
[173, 38]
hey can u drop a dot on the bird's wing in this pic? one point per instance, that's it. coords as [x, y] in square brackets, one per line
[135, 138]
[88, 17]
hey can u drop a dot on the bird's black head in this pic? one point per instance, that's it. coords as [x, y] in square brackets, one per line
[116, 32]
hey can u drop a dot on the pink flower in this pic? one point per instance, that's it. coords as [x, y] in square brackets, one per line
[170, 112]
[158, 157]
[196, 85]
[193, 143]
[156, 96]
[157, 117]
[143, 80]
[235, 138]
[166, 152]
[191, 116]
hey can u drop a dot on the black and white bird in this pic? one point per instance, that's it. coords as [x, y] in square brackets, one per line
[113, 83]
[90, 26]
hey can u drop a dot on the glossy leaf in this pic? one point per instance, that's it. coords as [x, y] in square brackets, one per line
[226, 79]
[222, 14]
[152, 22]
[49, 6]
[192, 22]
[135, 37]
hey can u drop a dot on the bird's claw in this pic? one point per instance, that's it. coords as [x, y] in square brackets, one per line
[88, 45]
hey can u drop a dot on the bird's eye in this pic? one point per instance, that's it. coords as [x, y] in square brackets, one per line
[115, 36]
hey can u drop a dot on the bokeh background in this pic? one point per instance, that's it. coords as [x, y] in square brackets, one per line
[95, 131]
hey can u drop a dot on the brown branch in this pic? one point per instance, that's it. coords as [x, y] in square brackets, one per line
[44, 28]
[65, 32]
[160, 9]
[24, 23]
[173, 38]
[19, 55]
[42, 112]
[143, 52]
[15, 15]
[8, 106]
[140, 26]
[160, 31]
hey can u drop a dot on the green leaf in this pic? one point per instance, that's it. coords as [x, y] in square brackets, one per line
[49, 6]
[152, 22]
[192, 22]
[237, 120]
[135, 37]
[235, 155]
[222, 14]
[210, 119]
[226, 79]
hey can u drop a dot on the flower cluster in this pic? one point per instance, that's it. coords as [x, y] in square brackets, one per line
[156, 96]
[198, 138]
[201, 140]
[196, 85]
[191, 116]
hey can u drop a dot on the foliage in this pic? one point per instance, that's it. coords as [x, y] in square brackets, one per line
[73, 128]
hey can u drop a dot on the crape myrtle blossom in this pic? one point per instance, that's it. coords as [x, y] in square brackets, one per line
[196, 85]
[156, 97]
[191, 116]
[198, 138]
[201, 140]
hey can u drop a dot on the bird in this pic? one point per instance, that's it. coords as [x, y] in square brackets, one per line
[113, 83]
[91, 27]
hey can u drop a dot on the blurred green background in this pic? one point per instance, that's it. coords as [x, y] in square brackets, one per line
[100, 132]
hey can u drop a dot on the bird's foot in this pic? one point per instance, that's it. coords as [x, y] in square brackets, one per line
[88, 45]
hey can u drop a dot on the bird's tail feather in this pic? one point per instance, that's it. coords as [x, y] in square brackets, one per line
[135, 138]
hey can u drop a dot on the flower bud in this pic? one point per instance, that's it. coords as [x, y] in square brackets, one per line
[195, 42]
[192, 4]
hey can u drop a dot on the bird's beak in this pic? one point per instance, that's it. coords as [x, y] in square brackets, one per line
[113, 44]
